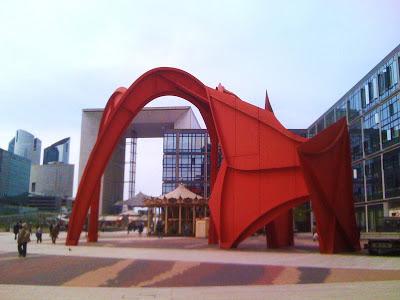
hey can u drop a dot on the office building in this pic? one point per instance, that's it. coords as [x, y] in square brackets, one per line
[186, 160]
[14, 174]
[58, 152]
[372, 110]
[55, 179]
[26, 145]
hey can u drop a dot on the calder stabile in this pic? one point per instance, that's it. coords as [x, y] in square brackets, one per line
[266, 170]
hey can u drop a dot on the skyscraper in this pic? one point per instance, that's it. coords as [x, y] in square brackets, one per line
[58, 152]
[14, 174]
[26, 145]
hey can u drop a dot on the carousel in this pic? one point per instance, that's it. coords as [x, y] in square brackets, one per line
[178, 210]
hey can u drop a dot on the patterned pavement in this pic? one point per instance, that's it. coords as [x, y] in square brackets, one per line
[78, 271]
[151, 267]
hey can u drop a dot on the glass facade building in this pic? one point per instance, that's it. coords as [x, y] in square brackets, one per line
[372, 110]
[58, 152]
[186, 160]
[26, 145]
[14, 174]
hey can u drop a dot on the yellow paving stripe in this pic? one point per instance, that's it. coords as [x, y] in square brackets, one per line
[10, 258]
[350, 275]
[177, 269]
[100, 276]
[287, 276]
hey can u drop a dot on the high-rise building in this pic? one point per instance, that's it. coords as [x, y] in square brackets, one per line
[58, 152]
[26, 145]
[372, 110]
[14, 174]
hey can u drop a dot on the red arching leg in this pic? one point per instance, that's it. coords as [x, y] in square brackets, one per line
[280, 231]
[155, 83]
[212, 232]
[326, 164]
[94, 216]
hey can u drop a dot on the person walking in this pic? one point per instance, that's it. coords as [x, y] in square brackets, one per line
[159, 229]
[16, 230]
[23, 240]
[314, 232]
[54, 233]
[39, 234]
[140, 228]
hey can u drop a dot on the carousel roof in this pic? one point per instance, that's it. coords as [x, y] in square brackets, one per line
[181, 192]
[180, 196]
[137, 200]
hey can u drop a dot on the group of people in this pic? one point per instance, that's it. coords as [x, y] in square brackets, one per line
[22, 234]
[132, 226]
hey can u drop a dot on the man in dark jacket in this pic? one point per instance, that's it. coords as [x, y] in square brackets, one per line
[159, 228]
[54, 233]
[23, 240]
[16, 230]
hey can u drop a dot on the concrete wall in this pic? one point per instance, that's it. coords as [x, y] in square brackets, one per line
[187, 120]
[112, 183]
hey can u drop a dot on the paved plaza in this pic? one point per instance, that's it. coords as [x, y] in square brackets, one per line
[129, 266]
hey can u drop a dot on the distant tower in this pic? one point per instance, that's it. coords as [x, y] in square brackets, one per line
[58, 152]
[11, 145]
[26, 145]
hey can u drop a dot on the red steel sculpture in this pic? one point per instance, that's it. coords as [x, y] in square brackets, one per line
[266, 171]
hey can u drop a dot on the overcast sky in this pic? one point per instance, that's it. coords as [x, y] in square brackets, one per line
[58, 57]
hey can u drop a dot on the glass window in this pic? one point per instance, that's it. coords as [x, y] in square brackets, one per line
[360, 218]
[375, 217]
[391, 169]
[356, 140]
[169, 167]
[364, 97]
[354, 105]
[375, 87]
[312, 131]
[371, 132]
[320, 124]
[358, 182]
[340, 110]
[191, 167]
[169, 142]
[390, 118]
[373, 176]
[330, 118]
[167, 187]
[192, 142]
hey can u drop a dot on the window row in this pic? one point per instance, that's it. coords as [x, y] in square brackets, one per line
[367, 177]
[377, 87]
[186, 142]
[380, 124]
[375, 216]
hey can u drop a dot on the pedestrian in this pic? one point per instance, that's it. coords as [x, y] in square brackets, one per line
[140, 228]
[314, 232]
[159, 228]
[23, 240]
[54, 233]
[16, 230]
[30, 228]
[50, 229]
[39, 234]
[186, 229]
